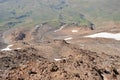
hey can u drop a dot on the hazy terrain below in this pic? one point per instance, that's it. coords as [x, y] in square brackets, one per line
[82, 12]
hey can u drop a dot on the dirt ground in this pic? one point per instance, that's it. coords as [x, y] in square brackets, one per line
[99, 45]
[39, 63]
[44, 54]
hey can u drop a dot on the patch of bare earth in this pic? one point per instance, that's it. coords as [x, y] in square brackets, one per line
[45, 55]
[78, 64]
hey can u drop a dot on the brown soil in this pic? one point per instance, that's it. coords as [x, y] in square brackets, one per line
[81, 58]
[78, 64]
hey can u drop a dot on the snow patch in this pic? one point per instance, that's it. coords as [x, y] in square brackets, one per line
[37, 26]
[7, 48]
[105, 35]
[18, 48]
[59, 59]
[74, 31]
[60, 28]
[69, 38]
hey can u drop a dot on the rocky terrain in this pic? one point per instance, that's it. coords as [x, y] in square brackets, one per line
[47, 53]
[57, 60]
[59, 40]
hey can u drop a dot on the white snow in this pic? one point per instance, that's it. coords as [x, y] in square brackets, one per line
[7, 48]
[105, 35]
[37, 26]
[60, 28]
[74, 31]
[18, 48]
[59, 59]
[69, 38]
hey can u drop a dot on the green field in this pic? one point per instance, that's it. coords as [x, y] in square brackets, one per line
[30, 12]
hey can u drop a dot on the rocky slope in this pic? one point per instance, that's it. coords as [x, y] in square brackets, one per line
[46, 53]
[33, 63]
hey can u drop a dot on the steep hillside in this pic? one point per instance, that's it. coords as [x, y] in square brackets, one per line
[57, 60]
